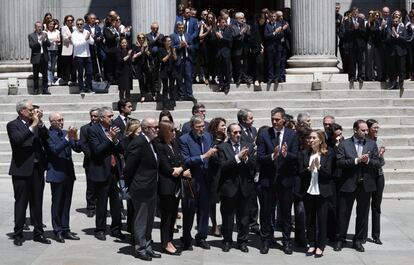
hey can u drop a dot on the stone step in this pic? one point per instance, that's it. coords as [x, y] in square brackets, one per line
[399, 174]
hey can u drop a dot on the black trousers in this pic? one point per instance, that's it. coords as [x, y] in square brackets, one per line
[69, 70]
[346, 202]
[110, 67]
[316, 208]
[90, 192]
[169, 210]
[238, 206]
[285, 202]
[103, 191]
[267, 200]
[356, 61]
[28, 190]
[257, 66]
[397, 68]
[40, 68]
[253, 210]
[224, 73]
[169, 92]
[61, 201]
[376, 207]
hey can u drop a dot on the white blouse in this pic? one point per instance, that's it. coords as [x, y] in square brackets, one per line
[52, 36]
[314, 186]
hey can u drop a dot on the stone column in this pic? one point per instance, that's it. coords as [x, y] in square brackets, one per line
[144, 12]
[313, 37]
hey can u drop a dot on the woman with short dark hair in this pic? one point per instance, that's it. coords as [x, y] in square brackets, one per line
[124, 59]
[167, 58]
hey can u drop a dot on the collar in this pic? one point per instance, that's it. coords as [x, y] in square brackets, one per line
[147, 138]
[356, 140]
[281, 131]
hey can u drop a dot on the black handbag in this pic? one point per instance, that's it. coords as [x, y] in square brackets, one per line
[99, 87]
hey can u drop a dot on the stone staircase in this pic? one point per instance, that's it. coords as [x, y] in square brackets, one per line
[394, 112]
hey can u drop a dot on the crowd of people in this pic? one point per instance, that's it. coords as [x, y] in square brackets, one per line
[256, 175]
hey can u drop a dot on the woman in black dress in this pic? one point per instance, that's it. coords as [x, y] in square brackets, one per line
[167, 57]
[124, 69]
[111, 41]
[171, 170]
[141, 66]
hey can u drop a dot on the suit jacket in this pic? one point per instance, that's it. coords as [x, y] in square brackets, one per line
[141, 168]
[154, 43]
[246, 138]
[223, 45]
[354, 38]
[67, 46]
[166, 68]
[36, 48]
[235, 176]
[111, 39]
[97, 44]
[351, 173]
[325, 182]
[26, 147]
[168, 159]
[397, 46]
[85, 145]
[118, 122]
[192, 27]
[175, 38]
[283, 170]
[102, 150]
[60, 164]
[273, 41]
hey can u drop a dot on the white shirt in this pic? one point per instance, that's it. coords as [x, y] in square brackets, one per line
[314, 186]
[152, 147]
[80, 45]
[280, 139]
[182, 38]
[52, 36]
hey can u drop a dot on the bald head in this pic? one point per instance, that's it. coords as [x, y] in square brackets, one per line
[149, 127]
[56, 120]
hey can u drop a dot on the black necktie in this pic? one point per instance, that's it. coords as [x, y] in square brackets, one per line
[236, 148]
[277, 138]
[249, 132]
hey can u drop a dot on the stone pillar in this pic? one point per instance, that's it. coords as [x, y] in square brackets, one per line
[313, 37]
[144, 12]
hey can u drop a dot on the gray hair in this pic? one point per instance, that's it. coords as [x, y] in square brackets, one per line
[195, 120]
[242, 114]
[179, 23]
[103, 110]
[93, 110]
[22, 104]
[303, 116]
[146, 122]
[239, 14]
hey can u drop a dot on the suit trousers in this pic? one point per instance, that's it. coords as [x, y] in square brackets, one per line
[257, 66]
[376, 207]
[224, 73]
[300, 223]
[143, 223]
[69, 70]
[168, 92]
[253, 209]
[230, 206]
[273, 65]
[40, 67]
[285, 202]
[103, 191]
[185, 78]
[61, 201]
[236, 68]
[110, 67]
[346, 202]
[356, 61]
[169, 210]
[281, 73]
[90, 192]
[28, 190]
[267, 200]
[316, 208]
[84, 66]
[397, 68]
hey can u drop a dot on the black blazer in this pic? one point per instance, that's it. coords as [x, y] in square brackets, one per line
[111, 39]
[118, 122]
[346, 154]
[324, 173]
[167, 68]
[224, 45]
[36, 48]
[26, 146]
[123, 68]
[85, 145]
[246, 138]
[168, 159]
[233, 175]
[141, 168]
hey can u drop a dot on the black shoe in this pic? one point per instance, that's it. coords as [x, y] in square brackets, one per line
[59, 238]
[243, 247]
[42, 239]
[226, 246]
[319, 255]
[35, 91]
[123, 216]
[70, 236]
[154, 255]
[26, 227]
[176, 253]
[393, 87]
[310, 253]
[181, 99]
[90, 213]
[338, 246]
[18, 241]
[46, 92]
[143, 256]
[254, 229]
[265, 248]
[360, 80]
[118, 234]
[377, 241]
[100, 235]
[287, 249]
[358, 246]
[202, 244]
[226, 91]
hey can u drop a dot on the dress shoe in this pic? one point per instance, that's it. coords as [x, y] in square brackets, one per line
[35, 91]
[265, 248]
[202, 244]
[393, 87]
[377, 241]
[254, 229]
[175, 253]
[143, 256]
[100, 235]
[226, 91]
[243, 248]
[287, 249]
[226, 246]
[59, 238]
[358, 246]
[118, 234]
[42, 239]
[90, 213]
[215, 231]
[154, 255]
[186, 245]
[26, 227]
[71, 236]
[18, 241]
[46, 92]
[338, 246]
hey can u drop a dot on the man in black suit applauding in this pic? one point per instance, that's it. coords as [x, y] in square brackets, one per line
[28, 135]
[358, 158]
[125, 109]
[237, 161]
[141, 170]
[223, 37]
[104, 170]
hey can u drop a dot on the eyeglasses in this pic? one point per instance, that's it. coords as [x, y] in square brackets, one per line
[79, 24]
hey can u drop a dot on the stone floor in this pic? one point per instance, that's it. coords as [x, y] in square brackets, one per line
[398, 238]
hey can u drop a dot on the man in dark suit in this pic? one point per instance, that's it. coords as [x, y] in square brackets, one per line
[154, 43]
[141, 171]
[223, 37]
[277, 154]
[197, 149]
[197, 109]
[249, 134]
[28, 135]
[241, 35]
[38, 43]
[190, 25]
[90, 193]
[104, 170]
[182, 42]
[96, 48]
[237, 163]
[358, 158]
[338, 22]
[61, 174]
[125, 109]
[273, 34]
